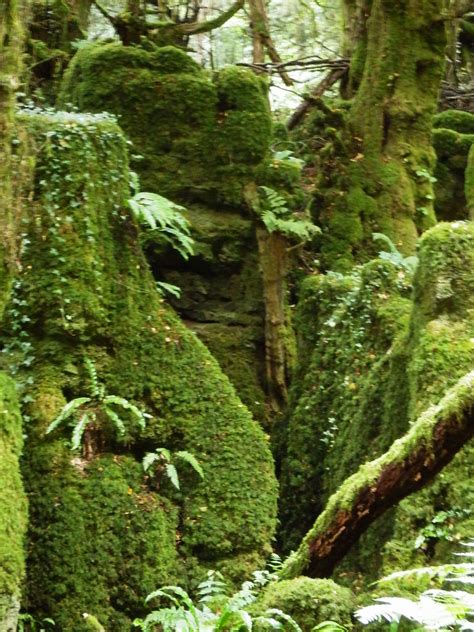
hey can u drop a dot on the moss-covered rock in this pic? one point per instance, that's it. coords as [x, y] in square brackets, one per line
[347, 327]
[13, 514]
[457, 120]
[377, 361]
[208, 134]
[85, 291]
[309, 601]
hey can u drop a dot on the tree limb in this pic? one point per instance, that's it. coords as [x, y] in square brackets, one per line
[209, 25]
[409, 464]
[328, 81]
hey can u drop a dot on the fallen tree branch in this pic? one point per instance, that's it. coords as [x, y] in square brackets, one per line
[409, 464]
[306, 63]
[329, 80]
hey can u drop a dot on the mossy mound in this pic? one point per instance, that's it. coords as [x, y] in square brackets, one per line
[457, 120]
[347, 326]
[208, 134]
[372, 371]
[13, 514]
[85, 291]
[309, 601]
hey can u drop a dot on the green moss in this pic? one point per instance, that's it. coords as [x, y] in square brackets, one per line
[309, 601]
[469, 183]
[457, 120]
[362, 383]
[13, 517]
[207, 134]
[95, 297]
[347, 326]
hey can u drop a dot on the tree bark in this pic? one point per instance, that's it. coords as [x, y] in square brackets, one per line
[410, 463]
[272, 249]
[262, 40]
[10, 56]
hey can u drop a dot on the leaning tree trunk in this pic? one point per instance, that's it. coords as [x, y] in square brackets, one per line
[411, 462]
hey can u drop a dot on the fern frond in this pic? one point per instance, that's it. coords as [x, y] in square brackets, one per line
[165, 453]
[124, 403]
[149, 459]
[191, 460]
[67, 411]
[115, 419]
[172, 474]
[430, 572]
[78, 431]
[212, 587]
[277, 614]
[95, 386]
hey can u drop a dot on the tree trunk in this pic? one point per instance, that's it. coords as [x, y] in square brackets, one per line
[10, 55]
[410, 463]
[376, 177]
[272, 249]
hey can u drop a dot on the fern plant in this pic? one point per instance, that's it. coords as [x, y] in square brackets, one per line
[393, 255]
[163, 460]
[215, 610]
[166, 218]
[277, 217]
[86, 415]
[436, 609]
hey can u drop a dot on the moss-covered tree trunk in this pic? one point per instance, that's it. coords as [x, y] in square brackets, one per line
[13, 510]
[12, 500]
[273, 259]
[10, 56]
[380, 169]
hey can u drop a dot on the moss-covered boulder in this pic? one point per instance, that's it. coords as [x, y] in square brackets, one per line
[203, 138]
[453, 136]
[85, 291]
[207, 134]
[308, 601]
[13, 508]
[377, 362]
[347, 327]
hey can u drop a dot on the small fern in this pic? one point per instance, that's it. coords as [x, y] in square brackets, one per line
[166, 218]
[277, 217]
[215, 610]
[85, 415]
[163, 460]
[394, 255]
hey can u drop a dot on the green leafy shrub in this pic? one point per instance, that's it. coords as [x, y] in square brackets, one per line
[215, 610]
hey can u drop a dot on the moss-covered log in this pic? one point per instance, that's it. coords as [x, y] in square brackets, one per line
[411, 462]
